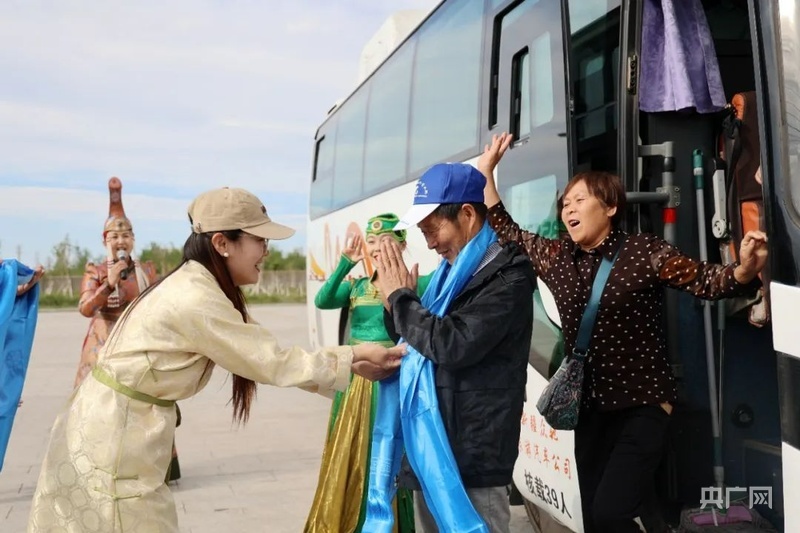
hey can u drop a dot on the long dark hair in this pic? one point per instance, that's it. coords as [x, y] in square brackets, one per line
[198, 248]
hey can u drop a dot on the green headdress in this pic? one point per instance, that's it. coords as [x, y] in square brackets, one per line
[384, 224]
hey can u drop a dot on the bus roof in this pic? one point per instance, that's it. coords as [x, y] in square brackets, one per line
[398, 28]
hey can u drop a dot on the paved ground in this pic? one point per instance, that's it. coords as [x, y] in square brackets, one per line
[258, 478]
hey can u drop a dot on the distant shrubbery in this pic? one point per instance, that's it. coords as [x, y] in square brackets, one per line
[58, 301]
[69, 259]
[167, 258]
[63, 301]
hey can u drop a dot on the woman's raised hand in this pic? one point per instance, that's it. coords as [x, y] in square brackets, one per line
[491, 156]
[354, 248]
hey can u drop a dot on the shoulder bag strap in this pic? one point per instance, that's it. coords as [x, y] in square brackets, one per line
[590, 313]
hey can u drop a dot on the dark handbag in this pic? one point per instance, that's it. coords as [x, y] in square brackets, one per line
[560, 401]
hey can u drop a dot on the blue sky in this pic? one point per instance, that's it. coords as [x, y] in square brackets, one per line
[172, 97]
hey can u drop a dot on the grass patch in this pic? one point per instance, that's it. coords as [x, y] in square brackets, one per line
[58, 301]
[295, 297]
[63, 301]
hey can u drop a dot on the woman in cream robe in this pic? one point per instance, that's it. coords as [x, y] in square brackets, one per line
[111, 446]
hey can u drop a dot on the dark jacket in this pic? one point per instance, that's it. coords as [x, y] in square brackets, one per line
[480, 349]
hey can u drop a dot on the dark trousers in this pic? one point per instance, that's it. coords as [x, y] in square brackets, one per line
[617, 454]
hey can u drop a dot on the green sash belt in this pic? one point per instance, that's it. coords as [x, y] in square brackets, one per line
[387, 344]
[101, 376]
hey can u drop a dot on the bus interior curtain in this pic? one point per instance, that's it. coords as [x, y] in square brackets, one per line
[679, 63]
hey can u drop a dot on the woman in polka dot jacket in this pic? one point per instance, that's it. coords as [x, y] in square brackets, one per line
[629, 388]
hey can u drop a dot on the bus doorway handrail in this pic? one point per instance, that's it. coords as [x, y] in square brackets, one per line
[669, 196]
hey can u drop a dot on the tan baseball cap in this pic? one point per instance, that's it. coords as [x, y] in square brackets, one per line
[229, 209]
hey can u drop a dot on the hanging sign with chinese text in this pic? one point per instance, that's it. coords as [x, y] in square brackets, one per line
[545, 470]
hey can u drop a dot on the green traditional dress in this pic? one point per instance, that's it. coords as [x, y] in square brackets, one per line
[340, 501]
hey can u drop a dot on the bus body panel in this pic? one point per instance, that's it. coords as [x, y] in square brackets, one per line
[791, 486]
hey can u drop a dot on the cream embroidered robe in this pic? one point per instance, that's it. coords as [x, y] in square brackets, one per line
[108, 454]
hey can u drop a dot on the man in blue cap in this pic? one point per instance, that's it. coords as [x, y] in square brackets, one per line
[472, 330]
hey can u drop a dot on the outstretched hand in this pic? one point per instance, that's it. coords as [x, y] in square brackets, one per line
[25, 287]
[752, 256]
[375, 362]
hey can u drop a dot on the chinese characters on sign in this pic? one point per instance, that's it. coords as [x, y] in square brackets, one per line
[721, 499]
[541, 453]
[546, 494]
[545, 470]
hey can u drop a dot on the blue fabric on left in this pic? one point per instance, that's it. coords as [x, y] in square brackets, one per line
[17, 326]
[408, 417]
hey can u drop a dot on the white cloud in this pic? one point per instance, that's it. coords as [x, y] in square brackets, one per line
[55, 203]
[33, 219]
[182, 95]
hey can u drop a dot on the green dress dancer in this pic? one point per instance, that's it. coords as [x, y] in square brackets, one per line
[340, 501]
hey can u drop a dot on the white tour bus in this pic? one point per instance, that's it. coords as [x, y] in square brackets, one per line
[566, 77]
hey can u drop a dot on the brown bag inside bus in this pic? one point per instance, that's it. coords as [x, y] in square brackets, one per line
[741, 151]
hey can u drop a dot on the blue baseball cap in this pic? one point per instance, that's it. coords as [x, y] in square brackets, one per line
[443, 183]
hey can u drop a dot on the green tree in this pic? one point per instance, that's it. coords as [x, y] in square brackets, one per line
[165, 258]
[62, 253]
[68, 258]
[276, 260]
[82, 256]
[296, 260]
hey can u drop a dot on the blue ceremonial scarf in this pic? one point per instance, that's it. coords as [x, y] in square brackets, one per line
[17, 325]
[408, 415]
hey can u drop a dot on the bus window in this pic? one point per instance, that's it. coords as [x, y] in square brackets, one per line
[503, 24]
[528, 57]
[585, 12]
[532, 104]
[791, 87]
[594, 63]
[445, 108]
[350, 150]
[322, 182]
[541, 93]
[532, 204]
[387, 123]
[521, 87]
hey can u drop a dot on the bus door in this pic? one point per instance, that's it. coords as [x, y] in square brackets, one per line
[777, 42]
[527, 97]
